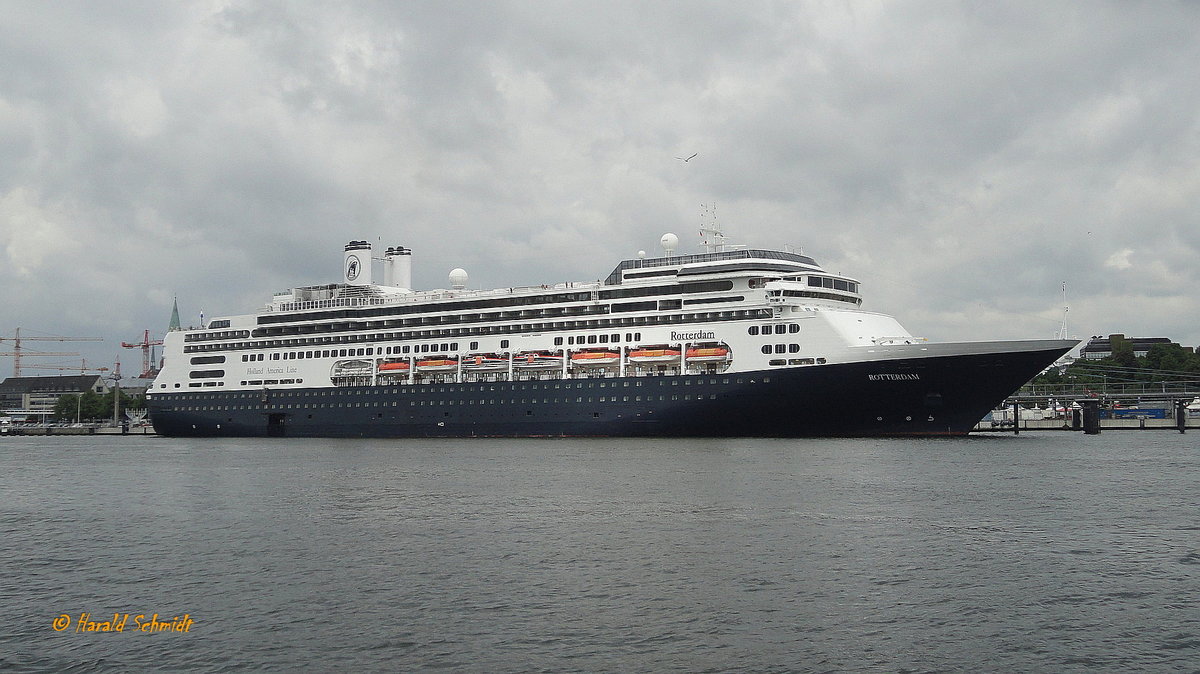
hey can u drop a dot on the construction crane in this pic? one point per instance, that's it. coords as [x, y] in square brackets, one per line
[148, 369]
[18, 351]
[82, 368]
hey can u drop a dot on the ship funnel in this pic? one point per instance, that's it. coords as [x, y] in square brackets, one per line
[356, 267]
[397, 267]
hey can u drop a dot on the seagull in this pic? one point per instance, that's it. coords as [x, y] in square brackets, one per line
[689, 158]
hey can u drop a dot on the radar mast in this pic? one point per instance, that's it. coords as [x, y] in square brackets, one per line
[711, 236]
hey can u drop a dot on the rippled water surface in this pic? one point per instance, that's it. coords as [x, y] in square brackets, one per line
[1042, 552]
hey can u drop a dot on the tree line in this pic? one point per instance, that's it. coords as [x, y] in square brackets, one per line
[92, 406]
[1170, 363]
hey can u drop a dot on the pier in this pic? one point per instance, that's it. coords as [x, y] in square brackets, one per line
[1094, 412]
[73, 429]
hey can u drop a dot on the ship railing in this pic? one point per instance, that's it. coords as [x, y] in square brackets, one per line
[427, 296]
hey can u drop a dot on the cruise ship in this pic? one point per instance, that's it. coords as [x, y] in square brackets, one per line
[732, 341]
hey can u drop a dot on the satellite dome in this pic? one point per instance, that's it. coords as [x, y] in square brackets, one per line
[669, 241]
[458, 278]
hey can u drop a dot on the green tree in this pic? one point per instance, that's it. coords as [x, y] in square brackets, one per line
[92, 407]
[1122, 351]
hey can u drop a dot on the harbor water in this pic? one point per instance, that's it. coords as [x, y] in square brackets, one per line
[1038, 552]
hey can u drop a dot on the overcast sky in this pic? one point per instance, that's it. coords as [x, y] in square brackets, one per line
[961, 159]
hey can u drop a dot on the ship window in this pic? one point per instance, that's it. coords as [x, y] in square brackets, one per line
[780, 348]
[820, 361]
[753, 330]
[504, 344]
[591, 339]
[766, 348]
[794, 328]
[793, 348]
[780, 329]
[558, 341]
[615, 338]
[839, 284]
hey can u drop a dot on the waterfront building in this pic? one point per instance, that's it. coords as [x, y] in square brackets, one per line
[38, 395]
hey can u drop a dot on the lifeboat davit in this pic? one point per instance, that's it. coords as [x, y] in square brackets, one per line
[484, 362]
[394, 367]
[653, 355]
[707, 354]
[437, 365]
[537, 360]
[595, 358]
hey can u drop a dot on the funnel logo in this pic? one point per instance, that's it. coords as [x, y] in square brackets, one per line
[351, 267]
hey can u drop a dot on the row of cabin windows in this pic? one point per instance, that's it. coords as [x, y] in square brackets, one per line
[452, 403]
[502, 386]
[530, 301]
[779, 329]
[414, 348]
[493, 328]
[614, 338]
[781, 348]
[346, 320]
[699, 317]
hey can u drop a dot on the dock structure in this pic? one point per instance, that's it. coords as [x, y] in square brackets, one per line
[15, 430]
[1094, 413]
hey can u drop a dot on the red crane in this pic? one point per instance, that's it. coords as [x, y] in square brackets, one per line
[148, 369]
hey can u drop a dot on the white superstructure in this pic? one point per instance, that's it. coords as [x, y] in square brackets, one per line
[727, 311]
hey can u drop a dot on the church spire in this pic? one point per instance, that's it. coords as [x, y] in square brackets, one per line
[175, 317]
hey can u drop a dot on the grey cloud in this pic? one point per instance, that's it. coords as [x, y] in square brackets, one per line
[963, 159]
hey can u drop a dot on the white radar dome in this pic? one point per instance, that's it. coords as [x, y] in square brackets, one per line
[458, 278]
[641, 255]
[669, 241]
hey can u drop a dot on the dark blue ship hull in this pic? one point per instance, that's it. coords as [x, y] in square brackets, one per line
[944, 395]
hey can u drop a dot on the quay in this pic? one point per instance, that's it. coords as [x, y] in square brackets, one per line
[1093, 413]
[73, 429]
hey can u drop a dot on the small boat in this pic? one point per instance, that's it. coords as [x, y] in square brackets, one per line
[437, 365]
[393, 367]
[654, 355]
[484, 362]
[537, 360]
[707, 354]
[595, 358]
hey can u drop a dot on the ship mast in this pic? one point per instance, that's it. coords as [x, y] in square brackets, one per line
[711, 236]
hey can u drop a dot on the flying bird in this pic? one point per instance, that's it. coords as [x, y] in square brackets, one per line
[689, 158]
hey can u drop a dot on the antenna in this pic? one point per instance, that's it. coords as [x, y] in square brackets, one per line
[711, 236]
[1062, 329]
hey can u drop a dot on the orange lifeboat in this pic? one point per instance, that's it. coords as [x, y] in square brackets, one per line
[437, 365]
[595, 358]
[653, 355]
[397, 367]
[707, 354]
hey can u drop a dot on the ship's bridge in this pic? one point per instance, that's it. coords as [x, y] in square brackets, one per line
[799, 288]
